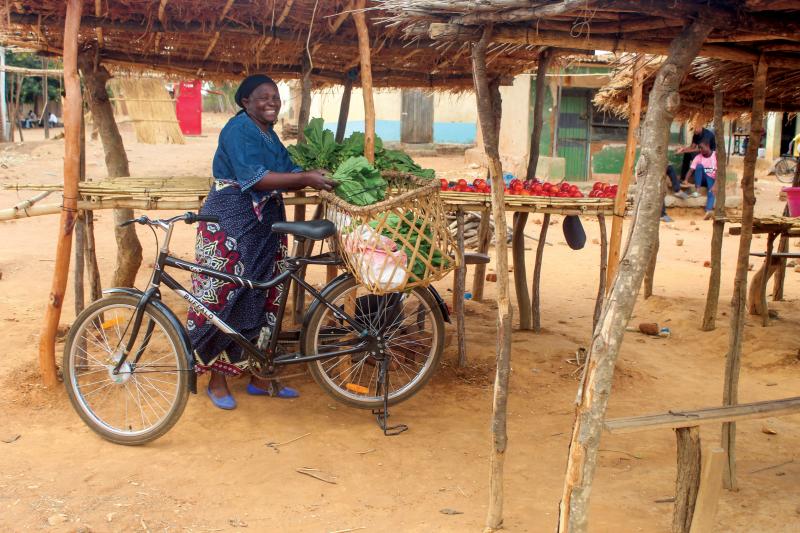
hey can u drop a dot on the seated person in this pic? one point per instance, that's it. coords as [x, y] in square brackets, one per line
[676, 191]
[704, 168]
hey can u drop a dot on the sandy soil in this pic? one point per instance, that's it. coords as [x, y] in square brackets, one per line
[214, 472]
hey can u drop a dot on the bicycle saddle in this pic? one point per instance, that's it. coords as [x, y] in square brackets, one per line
[315, 230]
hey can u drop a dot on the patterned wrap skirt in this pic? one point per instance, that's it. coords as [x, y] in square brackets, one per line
[241, 243]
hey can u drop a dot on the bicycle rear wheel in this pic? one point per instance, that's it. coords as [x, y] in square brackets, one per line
[784, 169]
[147, 397]
[414, 342]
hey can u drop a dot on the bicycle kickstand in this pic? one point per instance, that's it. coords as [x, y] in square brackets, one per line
[382, 415]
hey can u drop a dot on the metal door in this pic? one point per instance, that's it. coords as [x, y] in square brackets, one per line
[574, 118]
[416, 121]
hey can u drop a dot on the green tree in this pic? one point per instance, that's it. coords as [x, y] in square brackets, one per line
[32, 86]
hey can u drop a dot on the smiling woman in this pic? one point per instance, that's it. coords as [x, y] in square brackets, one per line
[251, 169]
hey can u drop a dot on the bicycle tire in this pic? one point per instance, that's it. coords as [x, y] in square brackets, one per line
[86, 336]
[785, 169]
[398, 343]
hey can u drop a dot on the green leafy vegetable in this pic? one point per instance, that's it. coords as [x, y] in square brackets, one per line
[401, 162]
[319, 149]
[412, 234]
[358, 182]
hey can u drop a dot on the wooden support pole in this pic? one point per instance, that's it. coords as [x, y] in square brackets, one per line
[80, 229]
[93, 270]
[621, 199]
[687, 481]
[366, 80]
[489, 116]
[520, 272]
[730, 394]
[712, 297]
[15, 115]
[595, 388]
[45, 95]
[72, 113]
[650, 272]
[601, 288]
[538, 111]
[537, 274]
[458, 291]
[705, 507]
[484, 238]
[305, 97]
[344, 107]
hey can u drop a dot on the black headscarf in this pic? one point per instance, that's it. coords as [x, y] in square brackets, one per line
[249, 85]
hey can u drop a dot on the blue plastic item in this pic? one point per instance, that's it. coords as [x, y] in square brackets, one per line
[468, 296]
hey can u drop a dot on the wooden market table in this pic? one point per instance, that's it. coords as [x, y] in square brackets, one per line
[773, 227]
[188, 192]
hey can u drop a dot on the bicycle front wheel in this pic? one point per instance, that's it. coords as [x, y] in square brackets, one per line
[147, 396]
[784, 169]
[414, 340]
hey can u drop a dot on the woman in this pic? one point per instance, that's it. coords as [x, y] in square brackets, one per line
[251, 168]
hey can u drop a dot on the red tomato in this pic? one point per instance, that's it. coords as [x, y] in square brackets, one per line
[573, 188]
[514, 182]
[576, 194]
[443, 184]
[478, 182]
[524, 192]
[462, 182]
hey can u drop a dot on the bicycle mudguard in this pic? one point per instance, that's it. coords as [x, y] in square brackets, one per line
[186, 343]
[442, 304]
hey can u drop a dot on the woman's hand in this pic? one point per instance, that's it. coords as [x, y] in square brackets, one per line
[317, 179]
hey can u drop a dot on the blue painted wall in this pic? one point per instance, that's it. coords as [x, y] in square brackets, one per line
[443, 132]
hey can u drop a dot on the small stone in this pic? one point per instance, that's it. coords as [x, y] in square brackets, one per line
[449, 511]
[697, 229]
[751, 266]
[595, 241]
[707, 264]
[790, 264]
[692, 223]
[491, 277]
[474, 166]
[56, 519]
[768, 430]
[679, 242]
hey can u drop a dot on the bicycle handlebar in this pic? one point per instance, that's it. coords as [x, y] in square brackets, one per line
[188, 217]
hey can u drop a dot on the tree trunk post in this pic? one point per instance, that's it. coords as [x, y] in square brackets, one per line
[458, 292]
[80, 229]
[366, 80]
[730, 394]
[305, 98]
[489, 115]
[705, 507]
[595, 388]
[129, 250]
[15, 115]
[45, 95]
[484, 238]
[687, 481]
[537, 274]
[601, 288]
[621, 199]
[650, 273]
[344, 107]
[72, 113]
[520, 272]
[521, 218]
[712, 298]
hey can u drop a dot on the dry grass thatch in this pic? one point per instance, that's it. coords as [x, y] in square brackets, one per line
[150, 108]
[222, 39]
[697, 90]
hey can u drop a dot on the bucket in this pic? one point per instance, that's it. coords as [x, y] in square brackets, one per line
[793, 199]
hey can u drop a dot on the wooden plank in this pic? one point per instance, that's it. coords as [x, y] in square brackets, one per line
[366, 79]
[710, 415]
[705, 507]
[458, 291]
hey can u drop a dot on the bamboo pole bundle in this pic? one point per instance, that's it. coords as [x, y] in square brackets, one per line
[150, 108]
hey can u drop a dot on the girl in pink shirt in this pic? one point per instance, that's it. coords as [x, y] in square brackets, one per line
[704, 167]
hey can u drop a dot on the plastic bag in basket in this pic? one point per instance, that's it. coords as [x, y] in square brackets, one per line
[379, 261]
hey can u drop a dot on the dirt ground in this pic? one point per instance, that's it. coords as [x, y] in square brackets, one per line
[214, 471]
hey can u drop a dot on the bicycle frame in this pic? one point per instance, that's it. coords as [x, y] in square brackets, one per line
[293, 266]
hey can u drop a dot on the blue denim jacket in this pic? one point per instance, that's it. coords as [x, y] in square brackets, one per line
[245, 154]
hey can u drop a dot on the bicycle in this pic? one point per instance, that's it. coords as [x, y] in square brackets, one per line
[785, 166]
[364, 350]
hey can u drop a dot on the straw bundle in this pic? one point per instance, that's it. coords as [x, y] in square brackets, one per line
[399, 243]
[150, 108]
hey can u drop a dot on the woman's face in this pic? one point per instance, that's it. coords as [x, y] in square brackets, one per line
[264, 103]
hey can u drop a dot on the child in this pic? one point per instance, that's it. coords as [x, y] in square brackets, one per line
[704, 167]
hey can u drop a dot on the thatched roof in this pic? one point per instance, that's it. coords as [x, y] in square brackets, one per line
[742, 29]
[226, 39]
[697, 89]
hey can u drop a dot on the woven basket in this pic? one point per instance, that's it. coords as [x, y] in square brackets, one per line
[396, 244]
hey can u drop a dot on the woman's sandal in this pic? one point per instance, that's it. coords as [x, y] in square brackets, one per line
[226, 402]
[274, 390]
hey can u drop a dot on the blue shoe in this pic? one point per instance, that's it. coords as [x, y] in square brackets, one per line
[284, 392]
[226, 402]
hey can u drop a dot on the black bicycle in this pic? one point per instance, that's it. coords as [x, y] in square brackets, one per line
[129, 364]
